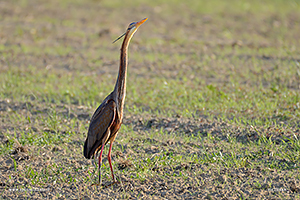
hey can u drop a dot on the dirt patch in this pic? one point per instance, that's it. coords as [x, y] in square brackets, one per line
[180, 180]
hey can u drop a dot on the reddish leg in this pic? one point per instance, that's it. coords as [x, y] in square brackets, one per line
[109, 160]
[100, 163]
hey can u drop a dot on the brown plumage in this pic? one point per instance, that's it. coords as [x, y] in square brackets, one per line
[107, 119]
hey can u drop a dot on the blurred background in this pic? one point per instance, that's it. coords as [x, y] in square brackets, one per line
[194, 51]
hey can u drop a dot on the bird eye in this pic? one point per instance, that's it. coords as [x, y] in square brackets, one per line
[131, 25]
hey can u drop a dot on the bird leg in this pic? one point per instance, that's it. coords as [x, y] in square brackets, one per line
[100, 163]
[110, 165]
[109, 160]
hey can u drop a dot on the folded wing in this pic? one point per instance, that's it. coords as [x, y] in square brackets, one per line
[99, 130]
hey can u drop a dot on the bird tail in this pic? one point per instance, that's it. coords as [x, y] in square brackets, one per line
[86, 151]
[90, 152]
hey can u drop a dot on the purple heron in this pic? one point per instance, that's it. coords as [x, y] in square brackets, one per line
[107, 119]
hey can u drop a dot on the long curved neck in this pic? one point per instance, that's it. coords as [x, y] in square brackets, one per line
[120, 87]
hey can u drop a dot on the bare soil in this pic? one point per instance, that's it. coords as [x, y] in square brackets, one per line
[200, 180]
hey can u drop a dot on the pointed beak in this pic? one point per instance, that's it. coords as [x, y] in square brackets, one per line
[136, 26]
[140, 22]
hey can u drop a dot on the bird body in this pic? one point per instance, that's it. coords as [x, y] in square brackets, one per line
[102, 127]
[107, 119]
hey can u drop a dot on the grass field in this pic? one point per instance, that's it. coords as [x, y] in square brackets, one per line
[212, 107]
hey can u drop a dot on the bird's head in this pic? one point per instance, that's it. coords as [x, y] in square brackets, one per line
[132, 28]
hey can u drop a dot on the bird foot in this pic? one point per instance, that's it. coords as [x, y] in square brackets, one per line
[97, 184]
[112, 183]
[106, 185]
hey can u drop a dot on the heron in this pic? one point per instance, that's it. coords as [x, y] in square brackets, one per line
[107, 119]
